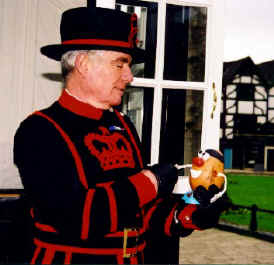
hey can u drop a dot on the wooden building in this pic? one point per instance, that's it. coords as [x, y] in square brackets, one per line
[247, 116]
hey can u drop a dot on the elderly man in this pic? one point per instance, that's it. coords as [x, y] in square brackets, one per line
[80, 160]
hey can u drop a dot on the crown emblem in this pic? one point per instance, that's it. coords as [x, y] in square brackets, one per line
[112, 150]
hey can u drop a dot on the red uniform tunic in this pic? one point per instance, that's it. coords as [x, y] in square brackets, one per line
[81, 171]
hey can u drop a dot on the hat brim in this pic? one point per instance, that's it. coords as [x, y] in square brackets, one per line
[57, 50]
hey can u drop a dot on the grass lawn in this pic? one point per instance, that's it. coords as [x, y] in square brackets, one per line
[247, 190]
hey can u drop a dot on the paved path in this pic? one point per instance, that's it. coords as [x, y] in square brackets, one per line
[214, 246]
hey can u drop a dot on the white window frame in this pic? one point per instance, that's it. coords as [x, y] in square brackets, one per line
[266, 148]
[213, 71]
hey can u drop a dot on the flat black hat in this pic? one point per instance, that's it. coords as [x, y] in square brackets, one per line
[215, 154]
[96, 29]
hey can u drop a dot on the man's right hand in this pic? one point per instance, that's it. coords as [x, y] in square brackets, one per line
[166, 176]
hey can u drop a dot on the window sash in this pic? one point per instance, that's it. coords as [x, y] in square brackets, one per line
[213, 71]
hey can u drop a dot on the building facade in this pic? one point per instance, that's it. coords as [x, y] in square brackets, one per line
[247, 117]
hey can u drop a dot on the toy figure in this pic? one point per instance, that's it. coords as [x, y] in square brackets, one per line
[207, 170]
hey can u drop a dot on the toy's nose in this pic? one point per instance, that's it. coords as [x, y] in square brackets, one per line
[197, 161]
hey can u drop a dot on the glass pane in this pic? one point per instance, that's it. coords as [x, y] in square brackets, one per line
[138, 105]
[185, 43]
[147, 33]
[181, 125]
[133, 106]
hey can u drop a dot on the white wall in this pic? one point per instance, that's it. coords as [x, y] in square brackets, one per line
[25, 26]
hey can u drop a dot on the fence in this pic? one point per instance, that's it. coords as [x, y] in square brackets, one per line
[253, 223]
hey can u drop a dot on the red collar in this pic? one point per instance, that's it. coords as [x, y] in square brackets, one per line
[78, 107]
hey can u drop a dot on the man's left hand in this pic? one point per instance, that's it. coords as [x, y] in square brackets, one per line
[207, 214]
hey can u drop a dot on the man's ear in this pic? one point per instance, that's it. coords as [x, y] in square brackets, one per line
[81, 63]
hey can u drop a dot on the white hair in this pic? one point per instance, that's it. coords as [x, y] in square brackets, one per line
[68, 59]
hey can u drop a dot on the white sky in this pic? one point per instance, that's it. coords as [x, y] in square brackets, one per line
[249, 30]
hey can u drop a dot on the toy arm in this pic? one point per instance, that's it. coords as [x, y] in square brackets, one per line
[221, 193]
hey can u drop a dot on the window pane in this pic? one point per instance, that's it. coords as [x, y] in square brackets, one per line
[138, 105]
[185, 43]
[245, 123]
[181, 125]
[245, 92]
[147, 33]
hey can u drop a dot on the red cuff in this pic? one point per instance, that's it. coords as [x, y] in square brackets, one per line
[185, 217]
[144, 187]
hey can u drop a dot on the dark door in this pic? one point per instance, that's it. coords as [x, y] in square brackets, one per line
[270, 160]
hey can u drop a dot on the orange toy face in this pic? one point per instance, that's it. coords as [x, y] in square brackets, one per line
[205, 171]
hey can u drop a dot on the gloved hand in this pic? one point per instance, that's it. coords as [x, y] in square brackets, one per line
[166, 175]
[203, 196]
[207, 214]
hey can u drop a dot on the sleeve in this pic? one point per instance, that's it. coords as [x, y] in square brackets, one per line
[170, 216]
[59, 200]
[173, 217]
[160, 214]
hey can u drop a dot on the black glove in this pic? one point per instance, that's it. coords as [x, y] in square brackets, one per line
[207, 214]
[166, 175]
[203, 196]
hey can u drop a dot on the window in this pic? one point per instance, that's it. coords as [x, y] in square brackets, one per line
[245, 92]
[147, 14]
[181, 125]
[138, 105]
[185, 42]
[183, 72]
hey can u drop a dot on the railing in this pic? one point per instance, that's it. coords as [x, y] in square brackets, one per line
[253, 224]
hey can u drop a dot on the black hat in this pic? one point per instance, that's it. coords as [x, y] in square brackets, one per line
[96, 29]
[215, 154]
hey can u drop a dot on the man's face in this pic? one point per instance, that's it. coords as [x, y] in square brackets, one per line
[107, 76]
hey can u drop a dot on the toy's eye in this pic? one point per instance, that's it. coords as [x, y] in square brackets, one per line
[203, 155]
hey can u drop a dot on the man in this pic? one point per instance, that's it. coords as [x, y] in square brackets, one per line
[92, 201]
